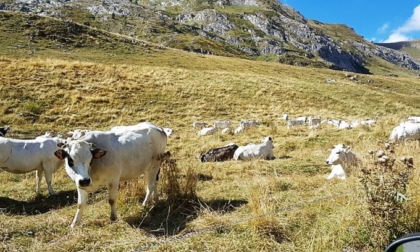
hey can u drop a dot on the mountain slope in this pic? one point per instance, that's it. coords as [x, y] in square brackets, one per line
[259, 29]
[410, 47]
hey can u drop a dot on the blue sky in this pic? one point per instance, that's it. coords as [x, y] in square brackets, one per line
[376, 20]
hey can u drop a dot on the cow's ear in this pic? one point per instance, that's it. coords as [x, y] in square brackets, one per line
[98, 153]
[61, 154]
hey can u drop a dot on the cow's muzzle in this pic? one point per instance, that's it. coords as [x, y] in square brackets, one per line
[85, 182]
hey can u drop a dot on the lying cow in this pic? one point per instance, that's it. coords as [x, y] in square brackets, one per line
[22, 156]
[342, 161]
[207, 131]
[4, 130]
[219, 154]
[246, 124]
[253, 151]
[128, 155]
[405, 131]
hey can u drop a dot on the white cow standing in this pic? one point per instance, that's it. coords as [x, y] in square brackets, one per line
[253, 151]
[23, 156]
[342, 160]
[128, 155]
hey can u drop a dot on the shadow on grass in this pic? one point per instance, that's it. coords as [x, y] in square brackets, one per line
[39, 205]
[170, 219]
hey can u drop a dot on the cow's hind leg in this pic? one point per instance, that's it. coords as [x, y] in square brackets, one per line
[151, 181]
[48, 170]
[38, 175]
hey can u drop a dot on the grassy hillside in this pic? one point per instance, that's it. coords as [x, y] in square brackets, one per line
[93, 80]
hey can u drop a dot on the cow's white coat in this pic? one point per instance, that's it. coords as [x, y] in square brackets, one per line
[128, 155]
[22, 156]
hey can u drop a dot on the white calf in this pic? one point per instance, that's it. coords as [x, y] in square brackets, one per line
[343, 156]
[207, 131]
[252, 151]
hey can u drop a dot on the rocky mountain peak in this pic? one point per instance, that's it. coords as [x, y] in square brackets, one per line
[248, 28]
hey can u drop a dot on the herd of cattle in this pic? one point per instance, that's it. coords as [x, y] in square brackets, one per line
[97, 159]
[92, 159]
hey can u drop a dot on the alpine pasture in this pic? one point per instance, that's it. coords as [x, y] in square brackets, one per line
[285, 204]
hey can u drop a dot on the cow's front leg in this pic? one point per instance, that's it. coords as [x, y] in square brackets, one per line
[112, 199]
[81, 204]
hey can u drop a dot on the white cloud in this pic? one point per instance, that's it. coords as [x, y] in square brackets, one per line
[383, 28]
[397, 37]
[411, 25]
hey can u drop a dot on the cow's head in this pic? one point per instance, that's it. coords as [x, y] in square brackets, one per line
[78, 156]
[337, 154]
[269, 141]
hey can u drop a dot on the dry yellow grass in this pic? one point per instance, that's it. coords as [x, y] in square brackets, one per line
[280, 205]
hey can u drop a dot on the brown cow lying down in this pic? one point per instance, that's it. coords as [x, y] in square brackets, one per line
[219, 154]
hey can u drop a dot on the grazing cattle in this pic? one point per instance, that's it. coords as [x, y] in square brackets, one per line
[253, 151]
[22, 156]
[294, 122]
[221, 124]
[343, 156]
[314, 122]
[128, 155]
[246, 124]
[405, 131]
[207, 131]
[4, 130]
[199, 125]
[219, 154]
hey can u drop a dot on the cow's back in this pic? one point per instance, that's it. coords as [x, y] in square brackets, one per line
[20, 156]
